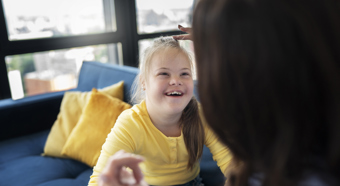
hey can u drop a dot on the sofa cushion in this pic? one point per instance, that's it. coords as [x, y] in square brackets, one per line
[30, 145]
[21, 163]
[81, 180]
[100, 114]
[70, 111]
[35, 170]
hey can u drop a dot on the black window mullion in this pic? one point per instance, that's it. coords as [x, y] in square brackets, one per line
[3, 28]
[4, 84]
[126, 25]
[158, 34]
[46, 44]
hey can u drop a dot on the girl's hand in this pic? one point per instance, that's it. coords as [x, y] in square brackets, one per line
[116, 174]
[183, 36]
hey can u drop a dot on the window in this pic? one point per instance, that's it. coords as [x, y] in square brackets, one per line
[39, 37]
[54, 18]
[44, 43]
[42, 72]
[159, 15]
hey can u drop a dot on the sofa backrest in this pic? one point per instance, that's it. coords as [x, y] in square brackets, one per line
[99, 75]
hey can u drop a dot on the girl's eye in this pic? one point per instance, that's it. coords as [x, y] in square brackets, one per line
[163, 74]
[185, 74]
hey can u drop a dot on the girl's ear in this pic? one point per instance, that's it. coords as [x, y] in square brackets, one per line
[142, 82]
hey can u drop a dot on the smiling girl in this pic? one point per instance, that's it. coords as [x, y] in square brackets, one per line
[165, 126]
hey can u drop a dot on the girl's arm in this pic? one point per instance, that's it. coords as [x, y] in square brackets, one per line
[118, 139]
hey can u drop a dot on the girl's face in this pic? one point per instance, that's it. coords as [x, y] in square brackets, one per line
[169, 84]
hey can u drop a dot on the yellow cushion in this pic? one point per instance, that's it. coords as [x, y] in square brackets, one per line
[71, 109]
[100, 114]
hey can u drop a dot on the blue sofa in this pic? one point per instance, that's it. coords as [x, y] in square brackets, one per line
[25, 125]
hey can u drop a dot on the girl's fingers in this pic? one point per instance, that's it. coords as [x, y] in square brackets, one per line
[137, 172]
[126, 177]
[111, 174]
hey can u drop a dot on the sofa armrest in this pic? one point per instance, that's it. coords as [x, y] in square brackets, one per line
[28, 115]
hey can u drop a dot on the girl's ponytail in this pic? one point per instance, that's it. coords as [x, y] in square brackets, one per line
[193, 132]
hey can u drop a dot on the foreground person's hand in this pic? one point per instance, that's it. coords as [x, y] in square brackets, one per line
[183, 36]
[116, 174]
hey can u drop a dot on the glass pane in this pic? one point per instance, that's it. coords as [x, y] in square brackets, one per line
[42, 72]
[188, 45]
[30, 19]
[162, 15]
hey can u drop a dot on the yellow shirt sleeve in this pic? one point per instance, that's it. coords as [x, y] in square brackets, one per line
[119, 138]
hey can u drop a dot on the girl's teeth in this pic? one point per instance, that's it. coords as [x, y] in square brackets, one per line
[174, 93]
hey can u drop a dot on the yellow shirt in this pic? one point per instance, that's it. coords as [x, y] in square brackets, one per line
[166, 158]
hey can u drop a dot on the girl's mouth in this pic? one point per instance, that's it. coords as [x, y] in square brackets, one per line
[174, 93]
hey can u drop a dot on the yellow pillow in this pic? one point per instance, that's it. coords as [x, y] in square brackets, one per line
[71, 109]
[100, 114]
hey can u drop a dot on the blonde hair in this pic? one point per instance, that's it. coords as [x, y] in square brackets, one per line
[190, 120]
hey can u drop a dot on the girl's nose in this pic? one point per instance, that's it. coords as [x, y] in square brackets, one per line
[175, 81]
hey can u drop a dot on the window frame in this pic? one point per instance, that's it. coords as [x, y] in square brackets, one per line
[126, 34]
